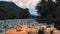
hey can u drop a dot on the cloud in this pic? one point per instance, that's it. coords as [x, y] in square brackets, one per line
[26, 3]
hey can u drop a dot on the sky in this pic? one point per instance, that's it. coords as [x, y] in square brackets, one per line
[30, 4]
[26, 4]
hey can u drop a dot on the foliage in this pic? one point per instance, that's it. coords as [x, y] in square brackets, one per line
[47, 11]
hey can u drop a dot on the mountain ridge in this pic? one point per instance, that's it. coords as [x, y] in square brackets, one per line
[9, 10]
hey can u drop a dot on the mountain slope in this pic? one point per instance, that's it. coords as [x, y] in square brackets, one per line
[8, 10]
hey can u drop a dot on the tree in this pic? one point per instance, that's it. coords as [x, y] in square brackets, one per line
[50, 12]
[46, 8]
[47, 11]
[57, 23]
